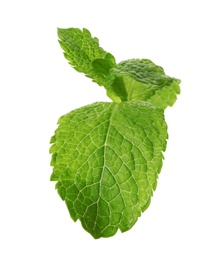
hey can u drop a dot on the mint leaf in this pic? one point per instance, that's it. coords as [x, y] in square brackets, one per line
[106, 156]
[106, 159]
[143, 80]
[85, 55]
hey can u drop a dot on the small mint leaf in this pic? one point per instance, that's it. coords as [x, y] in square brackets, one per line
[142, 80]
[83, 53]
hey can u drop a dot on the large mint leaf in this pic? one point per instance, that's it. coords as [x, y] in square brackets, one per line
[142, 80]
[85, 55]
[106, 158]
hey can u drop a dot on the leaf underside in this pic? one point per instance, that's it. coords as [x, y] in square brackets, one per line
[106, 162]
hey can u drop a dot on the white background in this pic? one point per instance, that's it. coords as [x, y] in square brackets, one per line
[37, 86]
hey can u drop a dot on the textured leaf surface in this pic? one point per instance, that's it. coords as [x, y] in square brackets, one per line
[137, 79]
[85, 55]
[106, 158]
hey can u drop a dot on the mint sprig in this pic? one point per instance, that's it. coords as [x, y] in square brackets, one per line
[106, 156]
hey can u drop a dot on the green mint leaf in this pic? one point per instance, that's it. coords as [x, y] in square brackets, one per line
[85, 55]
[106, 158]
[142, 80]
